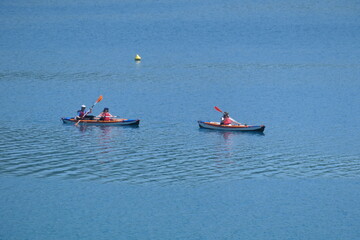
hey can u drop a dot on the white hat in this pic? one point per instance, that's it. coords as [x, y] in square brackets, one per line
[83, 106]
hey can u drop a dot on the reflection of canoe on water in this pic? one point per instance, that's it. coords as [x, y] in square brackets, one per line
[217, 126]
[112, 122]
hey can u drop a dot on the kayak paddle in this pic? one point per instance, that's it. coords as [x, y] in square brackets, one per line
[98, 100]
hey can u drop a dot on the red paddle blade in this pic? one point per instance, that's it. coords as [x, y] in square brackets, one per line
[218, 109]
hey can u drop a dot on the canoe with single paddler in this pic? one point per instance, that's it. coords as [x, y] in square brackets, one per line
[218, 126]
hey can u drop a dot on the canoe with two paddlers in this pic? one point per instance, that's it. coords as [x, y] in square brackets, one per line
[98, 122]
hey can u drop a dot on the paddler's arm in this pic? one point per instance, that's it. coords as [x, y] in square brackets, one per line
[234, 121]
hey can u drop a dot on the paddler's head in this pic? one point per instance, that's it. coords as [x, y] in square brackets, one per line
[83, 107]
[106, 109]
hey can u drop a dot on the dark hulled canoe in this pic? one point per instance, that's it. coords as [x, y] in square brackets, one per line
[97, 122]
[218, 126]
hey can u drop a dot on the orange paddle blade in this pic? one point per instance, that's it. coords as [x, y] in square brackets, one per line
[99, 99]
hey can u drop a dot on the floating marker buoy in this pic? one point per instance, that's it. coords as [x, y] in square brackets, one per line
[137, 58]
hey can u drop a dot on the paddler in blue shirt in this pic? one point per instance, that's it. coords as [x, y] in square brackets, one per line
[81, 113]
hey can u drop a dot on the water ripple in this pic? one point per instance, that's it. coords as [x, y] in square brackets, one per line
[107, 156]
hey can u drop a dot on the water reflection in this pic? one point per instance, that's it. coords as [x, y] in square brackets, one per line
[228, 133]
[227, 146]
[104, 144]
[235, 153]
[103, 139]
[82, 128]
[229, 141]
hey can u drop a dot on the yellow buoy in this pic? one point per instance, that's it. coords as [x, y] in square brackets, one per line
[137, 57]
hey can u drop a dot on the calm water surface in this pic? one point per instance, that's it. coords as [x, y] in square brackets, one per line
[311, 125]
[291, 66]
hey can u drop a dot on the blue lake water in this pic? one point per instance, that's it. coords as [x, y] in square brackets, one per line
[292, 66]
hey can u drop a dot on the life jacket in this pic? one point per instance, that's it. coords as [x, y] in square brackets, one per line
[226, 121]
[105, 116]
[81, 114]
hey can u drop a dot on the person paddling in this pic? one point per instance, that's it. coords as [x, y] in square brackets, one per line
[226, 119]
[81, 113]
[105, 115]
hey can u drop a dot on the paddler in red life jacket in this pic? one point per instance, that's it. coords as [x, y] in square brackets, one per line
[105, 115]
[226, 120]
[81, 113]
